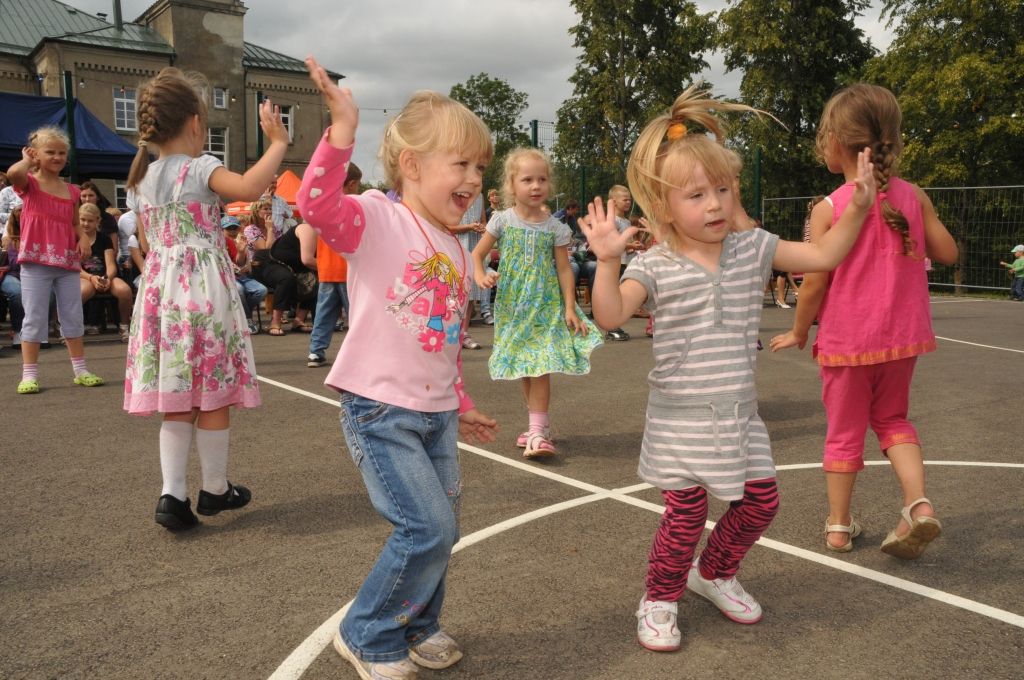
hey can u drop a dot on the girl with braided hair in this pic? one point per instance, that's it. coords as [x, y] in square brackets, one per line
[704, 282]
[874, 318]
[189, 352]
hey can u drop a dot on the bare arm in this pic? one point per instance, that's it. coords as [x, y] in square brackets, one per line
[307, 245]
[613, 303]
[482, 250]
[232, 186]
[17, 174]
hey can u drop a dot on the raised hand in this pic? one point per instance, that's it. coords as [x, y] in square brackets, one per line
[604, 239]
[270, 122]
[339, 101]
[865, 187]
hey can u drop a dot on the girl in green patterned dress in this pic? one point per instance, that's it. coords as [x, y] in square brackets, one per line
[538, 327]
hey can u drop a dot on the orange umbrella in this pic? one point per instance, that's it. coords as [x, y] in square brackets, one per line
[287, 187]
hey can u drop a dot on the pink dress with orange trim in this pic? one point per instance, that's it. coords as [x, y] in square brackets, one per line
[876, 308]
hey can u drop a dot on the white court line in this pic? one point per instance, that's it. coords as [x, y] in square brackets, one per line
[295, 665]
[975, 344]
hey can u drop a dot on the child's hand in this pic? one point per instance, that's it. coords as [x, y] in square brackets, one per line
[865, 188]
[476, 427]
[486, 279]
[575, 324]
[599, 227]
[270, 121]
[787, 339]
[344, 112]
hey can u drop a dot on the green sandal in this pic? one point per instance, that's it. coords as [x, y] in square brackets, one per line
[88, 380]
[28, 386]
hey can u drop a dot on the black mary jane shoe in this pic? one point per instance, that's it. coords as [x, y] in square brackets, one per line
[175, 514]
[232, 499]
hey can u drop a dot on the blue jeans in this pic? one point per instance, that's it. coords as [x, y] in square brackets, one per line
[252, 293]
[410, 465]
[10, 287]
[1017, 287]
[331, 298]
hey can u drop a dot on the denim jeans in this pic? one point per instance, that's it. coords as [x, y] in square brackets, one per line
[331, 298]
[1017, 287]
[10, 288]
[252, 293]
[410, 465]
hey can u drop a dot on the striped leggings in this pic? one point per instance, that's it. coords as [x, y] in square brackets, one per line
[681, 527]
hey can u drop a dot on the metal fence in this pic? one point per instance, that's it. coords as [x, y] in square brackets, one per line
[985, 221]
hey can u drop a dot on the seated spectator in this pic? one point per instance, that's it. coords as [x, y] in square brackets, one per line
[108, 222]
[250, 291]
[291, 255]
[10, 283]
[99, 271]
[129, 256]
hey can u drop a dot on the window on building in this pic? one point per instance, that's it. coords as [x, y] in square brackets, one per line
[220, 98]
[121, 197]
[286, 120]
[217, 144]
[124, 109]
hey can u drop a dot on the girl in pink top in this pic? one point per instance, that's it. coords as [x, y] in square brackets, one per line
[398, 371]
[874, 318]
[51, 250]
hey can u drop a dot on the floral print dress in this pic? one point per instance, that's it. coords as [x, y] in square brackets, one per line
[531, 338]
[189, 345]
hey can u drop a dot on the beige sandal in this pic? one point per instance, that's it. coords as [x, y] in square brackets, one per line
[853, 531]
[923, 531]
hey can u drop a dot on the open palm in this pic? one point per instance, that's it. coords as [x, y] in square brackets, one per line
[603, 236]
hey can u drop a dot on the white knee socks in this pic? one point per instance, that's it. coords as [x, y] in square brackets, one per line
[175, 442]
[213, 456]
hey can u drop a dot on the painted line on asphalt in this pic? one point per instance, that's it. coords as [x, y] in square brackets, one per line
[296, 664]
[976, 344]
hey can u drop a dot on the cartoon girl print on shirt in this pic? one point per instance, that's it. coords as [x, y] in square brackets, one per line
[433, 293]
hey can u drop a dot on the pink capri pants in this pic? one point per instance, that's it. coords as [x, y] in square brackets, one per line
[855, 396]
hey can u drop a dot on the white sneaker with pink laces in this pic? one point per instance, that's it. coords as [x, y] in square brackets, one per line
[727, 594]
[656, 627]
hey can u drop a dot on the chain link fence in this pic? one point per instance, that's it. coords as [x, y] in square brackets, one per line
[985, 221]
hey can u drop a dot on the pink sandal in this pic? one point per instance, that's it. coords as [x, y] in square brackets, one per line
[538, 446]
[521, 439]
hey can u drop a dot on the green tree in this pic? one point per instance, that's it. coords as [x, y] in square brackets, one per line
[793, 55]
[958, 71]
[636, 57]
[500, 106]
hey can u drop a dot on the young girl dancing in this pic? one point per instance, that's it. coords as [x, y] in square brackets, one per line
[538, 327]
[189, 355]
[399, 370]
[704, 281]
[50, 254]
[875, 318]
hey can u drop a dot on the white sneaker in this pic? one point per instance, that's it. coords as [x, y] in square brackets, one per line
[656, 625]
[437, 651]
[727, 594]
[376, 670]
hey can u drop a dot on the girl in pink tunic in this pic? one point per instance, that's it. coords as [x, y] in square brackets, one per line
[49, 255]
[874, 318]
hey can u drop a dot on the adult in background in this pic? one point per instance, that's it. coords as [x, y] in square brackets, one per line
[108, 222]
[280, 211]
[291, 255]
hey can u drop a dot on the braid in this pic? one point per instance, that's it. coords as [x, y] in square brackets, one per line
[883, 159]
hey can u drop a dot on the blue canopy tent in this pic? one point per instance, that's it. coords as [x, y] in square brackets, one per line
[101, 153]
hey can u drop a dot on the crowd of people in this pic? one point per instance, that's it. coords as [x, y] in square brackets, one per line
[407, 271]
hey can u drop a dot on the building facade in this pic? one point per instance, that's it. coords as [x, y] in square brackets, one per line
[42, 40]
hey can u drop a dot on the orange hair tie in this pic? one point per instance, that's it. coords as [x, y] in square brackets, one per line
[675, 131]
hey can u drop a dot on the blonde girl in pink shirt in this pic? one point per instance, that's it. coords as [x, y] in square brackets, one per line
[50, 255]
[399, 370]
[875, 318]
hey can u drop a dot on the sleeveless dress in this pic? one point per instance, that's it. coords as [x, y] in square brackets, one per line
[189, 342]
[530, 335]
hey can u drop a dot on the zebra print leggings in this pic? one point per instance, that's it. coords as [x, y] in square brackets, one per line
[681, 527]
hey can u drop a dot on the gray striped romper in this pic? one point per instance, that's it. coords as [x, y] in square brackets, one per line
[702, 425]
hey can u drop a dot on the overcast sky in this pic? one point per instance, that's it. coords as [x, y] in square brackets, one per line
[387, 49]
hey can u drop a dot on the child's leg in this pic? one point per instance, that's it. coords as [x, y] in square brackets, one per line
[175, 443]
[213, 435]
[538, 397]
[35, 298]
[739, 528]
[839, 486]
[908, 464]
[409, 463]
[846, 392]
[682, 524]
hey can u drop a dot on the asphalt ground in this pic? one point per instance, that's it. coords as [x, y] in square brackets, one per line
[550, 570]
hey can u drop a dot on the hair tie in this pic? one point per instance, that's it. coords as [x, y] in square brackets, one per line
[143, 143]
[675, 131]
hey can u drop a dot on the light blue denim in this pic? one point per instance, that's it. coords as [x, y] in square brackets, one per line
[252, 293]
[410, 465]
[331, 298]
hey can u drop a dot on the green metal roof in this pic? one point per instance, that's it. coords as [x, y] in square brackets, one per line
[255, 56]
[26, 23]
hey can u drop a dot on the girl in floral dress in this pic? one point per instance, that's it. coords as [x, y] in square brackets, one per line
[189, 355]
[538, 327]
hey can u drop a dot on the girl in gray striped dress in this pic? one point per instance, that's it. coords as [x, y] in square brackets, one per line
[704, 282]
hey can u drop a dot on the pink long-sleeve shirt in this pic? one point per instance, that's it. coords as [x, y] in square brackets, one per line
[408, 286]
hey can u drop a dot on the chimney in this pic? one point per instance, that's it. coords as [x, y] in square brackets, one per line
[118, 24]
